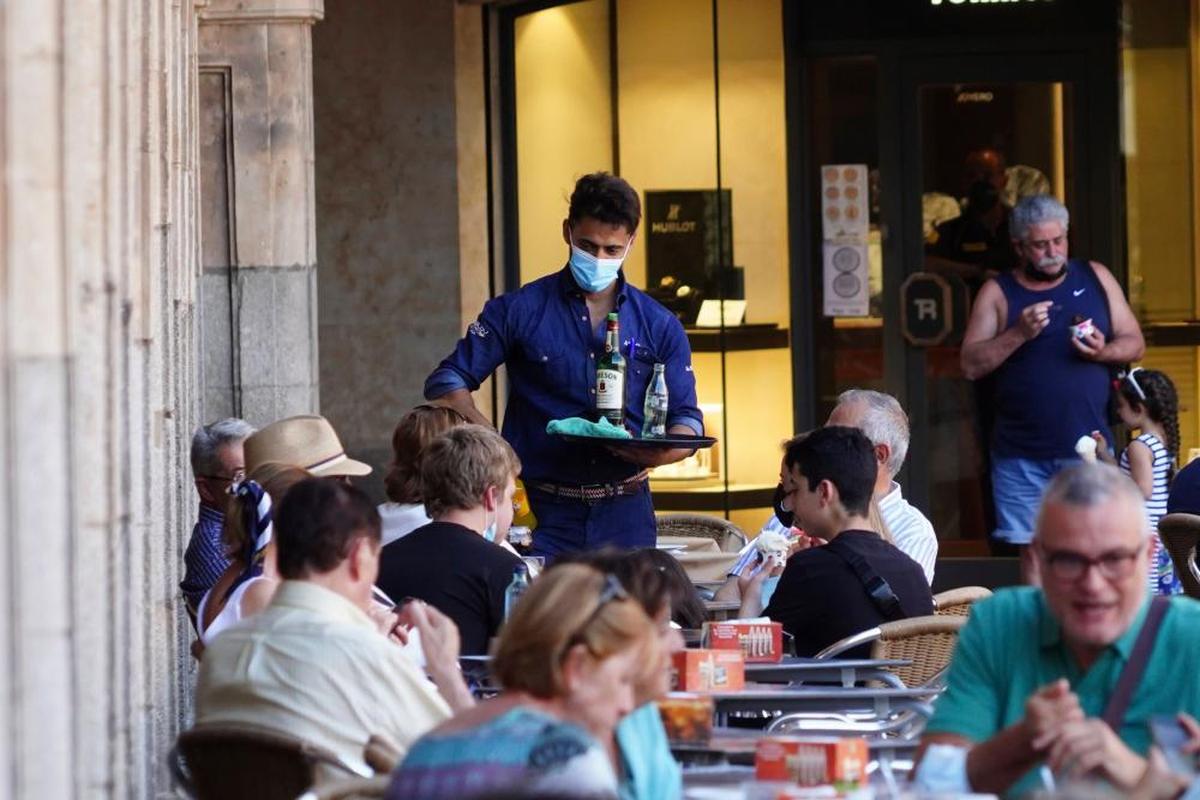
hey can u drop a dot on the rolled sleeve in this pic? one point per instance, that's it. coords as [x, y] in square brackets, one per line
[478, 353]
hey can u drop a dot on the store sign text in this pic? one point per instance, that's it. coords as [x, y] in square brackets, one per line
[984, 2]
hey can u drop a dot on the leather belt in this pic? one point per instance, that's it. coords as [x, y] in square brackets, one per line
[592, 493]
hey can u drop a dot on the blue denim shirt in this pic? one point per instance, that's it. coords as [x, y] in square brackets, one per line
[543, 334]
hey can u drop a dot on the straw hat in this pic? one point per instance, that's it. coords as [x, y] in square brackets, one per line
[307, 441]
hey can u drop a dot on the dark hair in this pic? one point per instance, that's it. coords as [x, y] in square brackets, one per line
[1161, 404]
[413, 434]
[607, 198]
[316, 525]
[653, 578]
[843, 456]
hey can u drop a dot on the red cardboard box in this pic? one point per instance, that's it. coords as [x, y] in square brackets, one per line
[708, 671]
[812, 761]
[758, 641]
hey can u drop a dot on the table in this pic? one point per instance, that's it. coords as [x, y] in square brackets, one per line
[828, 700]
[844, 671]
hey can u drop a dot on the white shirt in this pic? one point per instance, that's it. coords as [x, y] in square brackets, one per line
[911, 531]
[401, 519]
[313, 665]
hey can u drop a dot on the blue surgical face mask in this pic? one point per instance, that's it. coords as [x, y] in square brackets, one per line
[593, 273]
[489, 529]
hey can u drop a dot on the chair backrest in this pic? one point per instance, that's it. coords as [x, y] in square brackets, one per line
[232, 762]
[957, 602]
[1180, 533]
[927, 642]
[729, 537]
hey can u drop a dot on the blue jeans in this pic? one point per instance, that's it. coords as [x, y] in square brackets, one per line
[566, 526]
[1017, 487]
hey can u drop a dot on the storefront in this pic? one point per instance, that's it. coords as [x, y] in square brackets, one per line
[796, 160]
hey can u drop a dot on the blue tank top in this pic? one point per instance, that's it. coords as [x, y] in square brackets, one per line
[1047, 395]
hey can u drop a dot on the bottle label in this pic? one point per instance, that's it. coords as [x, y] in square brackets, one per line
[610, 389]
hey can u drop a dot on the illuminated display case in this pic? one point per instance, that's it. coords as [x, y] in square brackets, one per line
[696, 122]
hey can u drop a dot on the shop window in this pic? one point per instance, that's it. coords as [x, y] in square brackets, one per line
[686, 101]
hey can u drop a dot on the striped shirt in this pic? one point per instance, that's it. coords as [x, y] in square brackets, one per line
[204, 558]
[1162, 578]
[1160, 466]
[911, 532]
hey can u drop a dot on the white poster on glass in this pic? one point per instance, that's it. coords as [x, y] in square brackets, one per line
[845, 209]
[847, 281]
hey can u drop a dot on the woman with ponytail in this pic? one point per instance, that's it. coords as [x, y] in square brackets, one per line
[249, 583]
[1147, 403]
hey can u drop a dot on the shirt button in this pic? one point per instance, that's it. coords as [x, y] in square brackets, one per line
[591, 355]
[584, 318]
[545, 358]
[593, 391]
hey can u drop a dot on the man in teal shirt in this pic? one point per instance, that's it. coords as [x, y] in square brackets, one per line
[1034, 669]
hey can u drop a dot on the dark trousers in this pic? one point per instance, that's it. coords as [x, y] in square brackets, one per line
[567, 526]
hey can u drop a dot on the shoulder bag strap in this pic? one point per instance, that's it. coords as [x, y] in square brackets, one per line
[1131, 675]
[879, 590]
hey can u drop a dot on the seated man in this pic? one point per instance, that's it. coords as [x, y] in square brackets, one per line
[822, 595]
[455, 563]
[217, 462]
[884, 422]
[1035, 669]
[314, 664]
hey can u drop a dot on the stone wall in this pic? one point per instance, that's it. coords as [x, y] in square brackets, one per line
[98, 259]
[401, 205]
[258, 287]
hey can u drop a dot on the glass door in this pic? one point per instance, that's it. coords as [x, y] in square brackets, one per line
[979, 134]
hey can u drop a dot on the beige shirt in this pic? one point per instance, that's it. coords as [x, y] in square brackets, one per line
[312, 665]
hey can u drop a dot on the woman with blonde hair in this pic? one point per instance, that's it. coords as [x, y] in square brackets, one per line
[569, 658]
[249, 582]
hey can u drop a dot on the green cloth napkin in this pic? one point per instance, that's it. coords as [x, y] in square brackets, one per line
[578, 426]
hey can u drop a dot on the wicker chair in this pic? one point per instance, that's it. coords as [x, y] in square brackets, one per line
[925, 641]
[957, 602]
[232, 762]
[729, 537]
[1180, 534]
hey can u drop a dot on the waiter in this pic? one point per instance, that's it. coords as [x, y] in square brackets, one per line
[550, 334]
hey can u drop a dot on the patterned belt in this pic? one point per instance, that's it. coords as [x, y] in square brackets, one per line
[592, 493]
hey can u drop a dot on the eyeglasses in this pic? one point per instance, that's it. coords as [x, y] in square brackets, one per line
[238, 476]
[612, 590]
[1129, 376]
[1068, 566]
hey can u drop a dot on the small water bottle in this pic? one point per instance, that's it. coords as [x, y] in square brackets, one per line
[654, 411]
[516, 588]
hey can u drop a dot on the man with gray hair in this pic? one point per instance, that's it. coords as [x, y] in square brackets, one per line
[880, 417]
[1067, 675]
[217, 462]
[1048, 332]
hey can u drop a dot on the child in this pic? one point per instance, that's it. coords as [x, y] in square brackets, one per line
[1146, 401]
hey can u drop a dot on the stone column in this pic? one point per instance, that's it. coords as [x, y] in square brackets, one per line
[98, 244]
[258, 328]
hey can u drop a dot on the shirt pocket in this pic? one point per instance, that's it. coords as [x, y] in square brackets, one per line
[551, 366]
